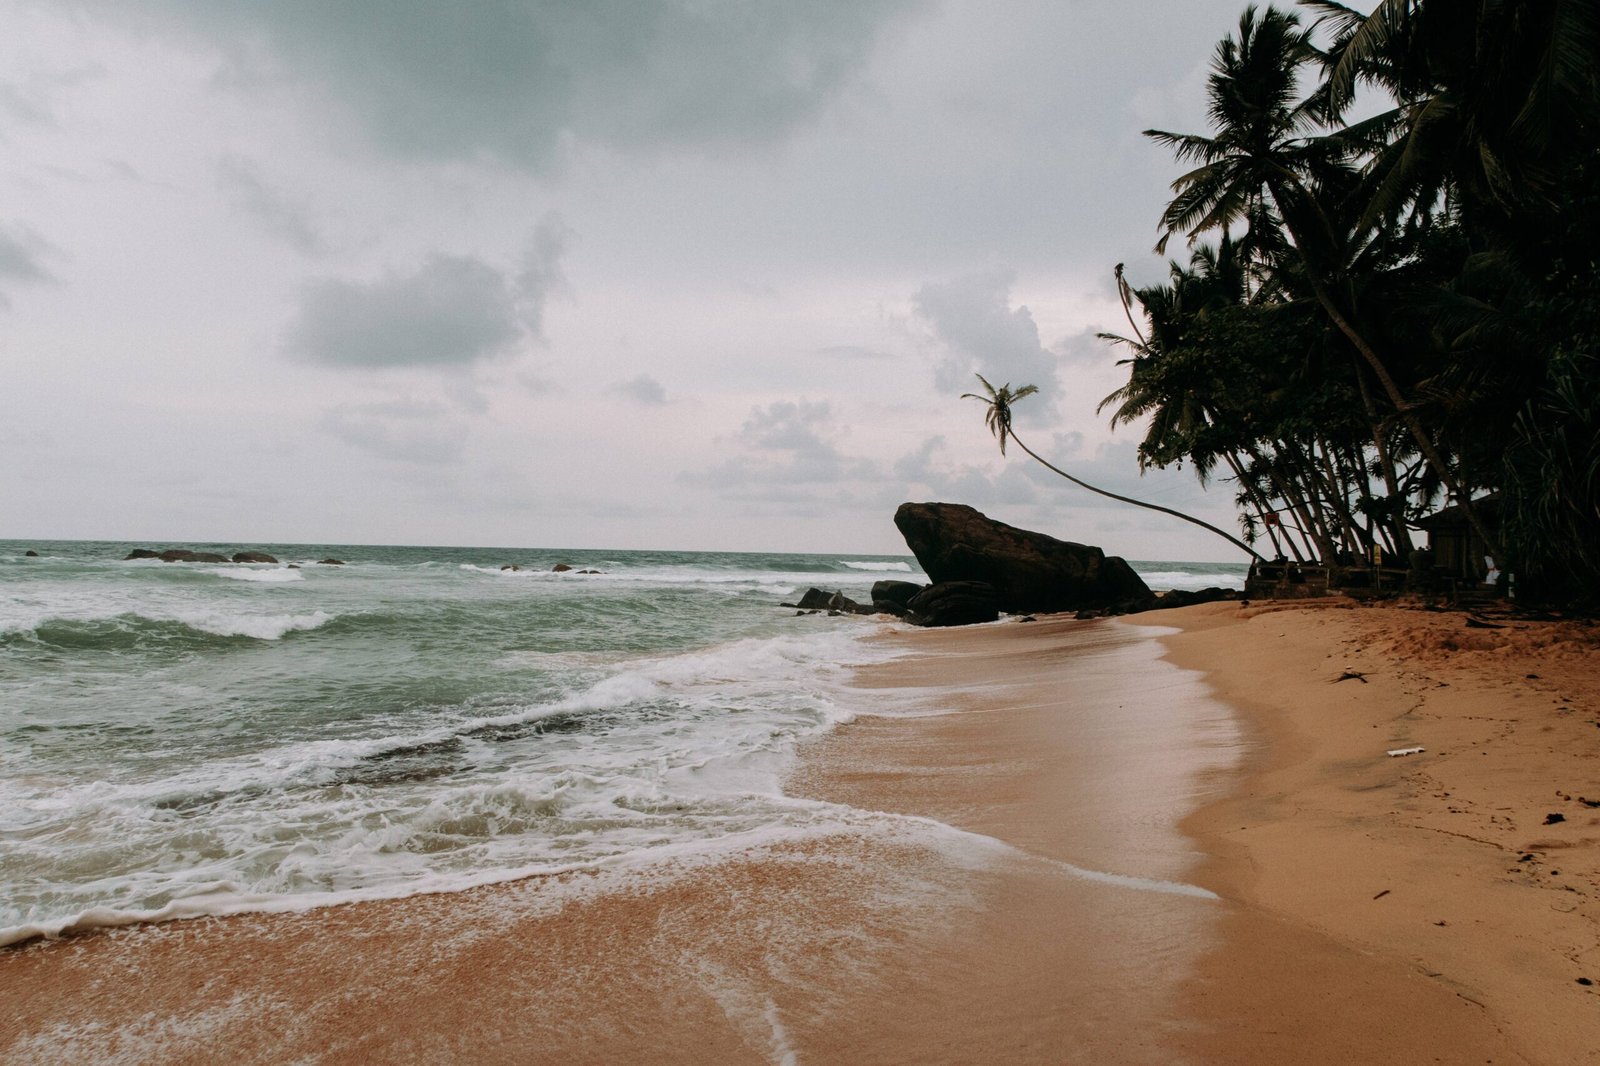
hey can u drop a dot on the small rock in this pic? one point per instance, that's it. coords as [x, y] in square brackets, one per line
[253, 557]
[1553, 817]
[511, 566]
[1585, 981]
[330, 562]
[30, 554]
[560, 568]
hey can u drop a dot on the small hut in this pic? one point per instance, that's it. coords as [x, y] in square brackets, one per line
[1459, 553]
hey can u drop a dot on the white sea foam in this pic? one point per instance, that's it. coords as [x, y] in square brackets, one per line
[1161, 580]
[276, 575]
[688, 750]
[902, 568]
[261, 627]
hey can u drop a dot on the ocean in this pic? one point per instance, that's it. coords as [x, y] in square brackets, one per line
[180, 739]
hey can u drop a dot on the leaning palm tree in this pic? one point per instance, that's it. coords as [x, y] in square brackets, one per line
[998, 418]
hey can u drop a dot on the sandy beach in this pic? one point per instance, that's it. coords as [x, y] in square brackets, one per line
[1077, 844]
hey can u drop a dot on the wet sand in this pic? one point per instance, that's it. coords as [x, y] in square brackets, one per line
[978, 927]
[1051, 791]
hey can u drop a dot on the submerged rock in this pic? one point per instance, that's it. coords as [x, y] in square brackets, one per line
[253, 557]
[1028, 571]
[30, 554]
[560, 568]
[330, 562]
[141, 553]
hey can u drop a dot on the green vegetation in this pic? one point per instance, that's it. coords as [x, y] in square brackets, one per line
[1379, 313]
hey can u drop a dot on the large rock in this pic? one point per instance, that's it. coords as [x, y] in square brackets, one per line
[1029, 571]
[954, 603]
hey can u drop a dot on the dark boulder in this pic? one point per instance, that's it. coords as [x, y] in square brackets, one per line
[142, 553]
[330, 562]
[184, 555]
[253, 557]
[899, 592]
[1028, 571]
[560, 568]
[954, 603]
[30, 554]
[1190, 597]
[814, 600]
[891, 597]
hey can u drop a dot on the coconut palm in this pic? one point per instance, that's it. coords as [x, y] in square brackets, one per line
[1266, 159]
[997, 415]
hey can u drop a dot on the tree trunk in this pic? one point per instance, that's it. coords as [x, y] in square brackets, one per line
[1230, 538]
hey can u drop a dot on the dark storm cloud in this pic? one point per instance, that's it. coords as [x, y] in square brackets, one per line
[21, 259]
[452, 311]
[980, 332]
[511, 79]
[541, 276]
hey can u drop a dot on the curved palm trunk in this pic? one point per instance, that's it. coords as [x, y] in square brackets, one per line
[1229, 537]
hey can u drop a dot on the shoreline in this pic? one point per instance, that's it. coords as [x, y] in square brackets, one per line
[962, 925]
[1061, 806]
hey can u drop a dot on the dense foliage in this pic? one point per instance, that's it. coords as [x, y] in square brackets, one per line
[1383, 312]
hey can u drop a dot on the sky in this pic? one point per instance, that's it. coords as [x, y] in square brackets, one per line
[677, 274]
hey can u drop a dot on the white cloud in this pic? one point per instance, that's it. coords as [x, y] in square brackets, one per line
[408, 431]
[642, 389]
[979, 332]
[281, 213]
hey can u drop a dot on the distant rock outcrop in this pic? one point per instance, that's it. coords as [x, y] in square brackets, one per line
[253, 557]
[141, 553]
[30, 554]
[330, 562]
[184, 555]
[560, 568]
[1028, 571]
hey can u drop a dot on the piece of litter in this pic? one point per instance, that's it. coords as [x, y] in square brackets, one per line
[1395, 753]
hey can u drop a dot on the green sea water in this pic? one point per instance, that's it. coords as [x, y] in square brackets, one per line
[191, 738]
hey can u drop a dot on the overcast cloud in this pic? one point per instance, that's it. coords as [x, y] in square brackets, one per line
[625, 273]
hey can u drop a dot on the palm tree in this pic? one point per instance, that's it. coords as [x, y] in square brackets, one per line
[1264, 161]
[998, 418]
